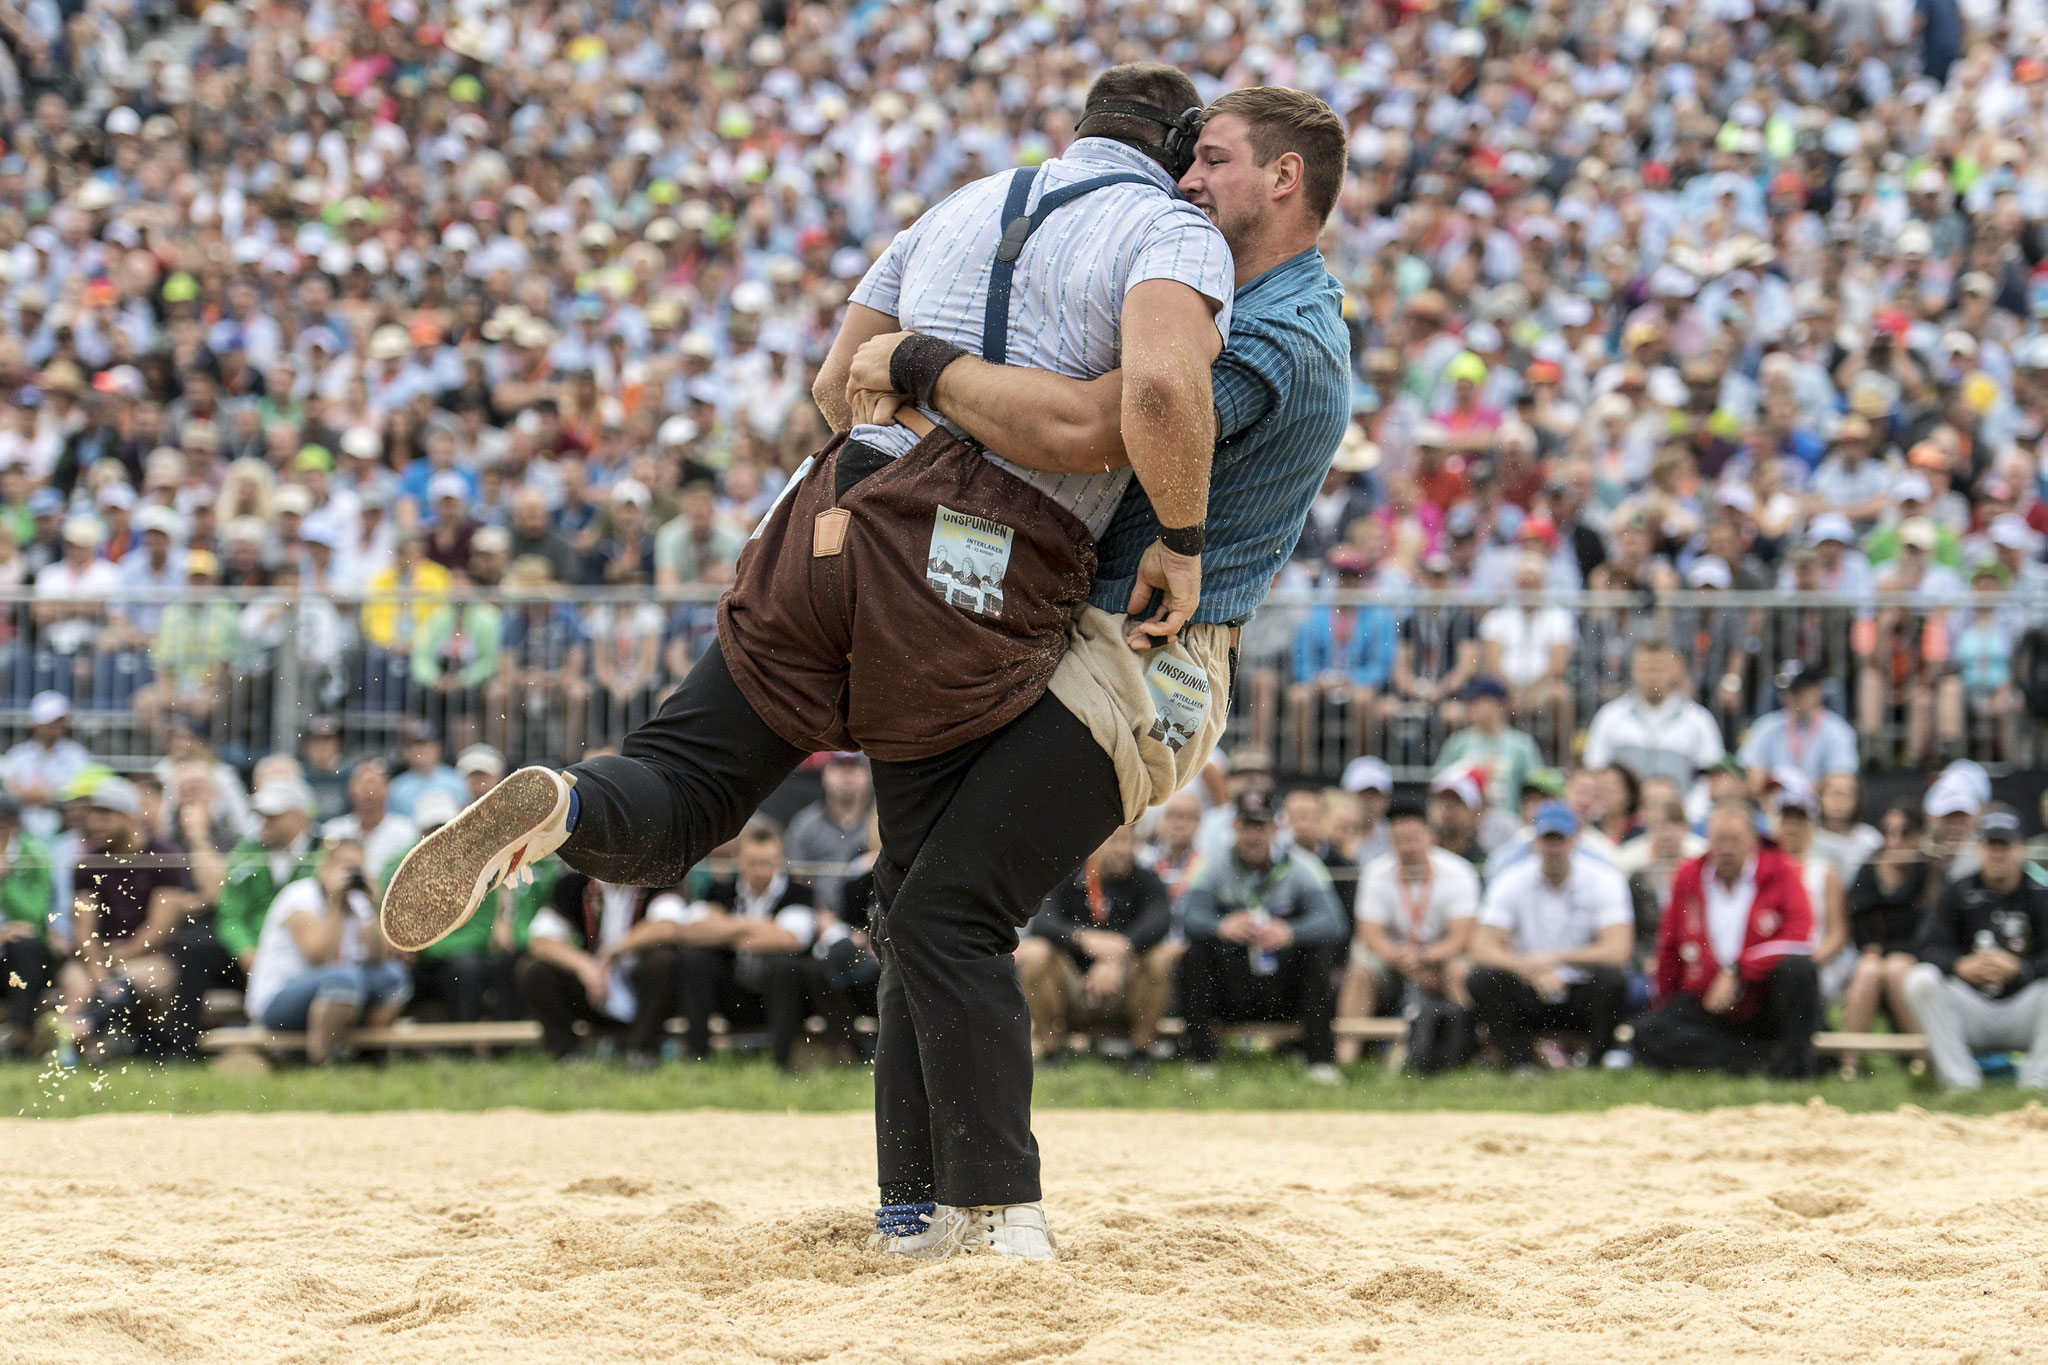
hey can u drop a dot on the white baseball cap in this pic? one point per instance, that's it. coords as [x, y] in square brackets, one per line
[282, 796]
[45, 707]
[1367, 774]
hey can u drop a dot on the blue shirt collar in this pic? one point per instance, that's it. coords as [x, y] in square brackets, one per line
[1120, 156]
[1311, 259]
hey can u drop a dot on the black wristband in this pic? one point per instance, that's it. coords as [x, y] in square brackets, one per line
[918, 361]
[1183, 540]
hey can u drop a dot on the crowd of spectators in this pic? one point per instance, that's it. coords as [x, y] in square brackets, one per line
[328, 300]
[354, 309]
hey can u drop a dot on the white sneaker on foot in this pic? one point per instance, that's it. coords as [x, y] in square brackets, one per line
[499, 838]
[1015, 1230]
[918, 1235]
[1324, 1073]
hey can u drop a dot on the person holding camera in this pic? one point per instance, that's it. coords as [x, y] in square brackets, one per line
[322, 964]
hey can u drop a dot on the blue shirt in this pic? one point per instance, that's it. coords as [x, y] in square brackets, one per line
[1824, 747]
[1283, 396]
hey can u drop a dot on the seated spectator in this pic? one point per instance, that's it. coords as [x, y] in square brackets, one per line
[1096, 953]
[1529, 647]
[1984, 647]
[698, 544]
[1358, 825]
[746, 948]
[320, 757]
[27, 964]
[1301, 816]
[1551, 946]
[1842, 837]
[1455, 805]
[384, 834]
[1738, 986]
[1655, 728]
[604, 956]
[455, 659]
[1249, 770]
[1833, 960]
[1263, 929]
[41, 766]
[1344, 656]
[1982, 981]
[130, 891]
[833, 831]
[1651, 861]
[1887, 901]
[626, 556]
[534, 536]
[1803, 734]
[1170, 855]
[257, 869]
[1436, 656]
[189, 654]
[322, 964]
[1508, 755]
[1415, 911]
[425, 771]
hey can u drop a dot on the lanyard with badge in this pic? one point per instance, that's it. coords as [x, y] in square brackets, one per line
[1416, 906]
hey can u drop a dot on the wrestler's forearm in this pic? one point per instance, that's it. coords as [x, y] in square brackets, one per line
[1168, 412]
[829, 389]
[1036, 418]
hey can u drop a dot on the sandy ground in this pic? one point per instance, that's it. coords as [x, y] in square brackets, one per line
[1768, 1234]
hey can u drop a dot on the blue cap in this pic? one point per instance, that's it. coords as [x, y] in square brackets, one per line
[44, 501]
[1555, 817]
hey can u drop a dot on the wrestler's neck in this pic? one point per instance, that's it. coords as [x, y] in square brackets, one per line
[1257, 248]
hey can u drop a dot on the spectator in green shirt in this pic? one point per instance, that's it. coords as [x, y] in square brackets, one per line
[1508, 755]
[280, 854]
[24, 928]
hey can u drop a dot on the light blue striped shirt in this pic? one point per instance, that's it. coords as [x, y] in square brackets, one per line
[1066, 309]
[1283, 395]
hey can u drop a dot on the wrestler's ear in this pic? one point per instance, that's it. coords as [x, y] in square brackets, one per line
[1284, 173]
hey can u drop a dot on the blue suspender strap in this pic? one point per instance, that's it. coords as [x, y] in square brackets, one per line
[995, 320]
[1017, 229]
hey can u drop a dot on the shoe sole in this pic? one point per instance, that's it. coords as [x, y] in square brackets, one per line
[440, 884]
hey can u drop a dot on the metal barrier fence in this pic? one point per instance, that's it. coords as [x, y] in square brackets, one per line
[546, 678]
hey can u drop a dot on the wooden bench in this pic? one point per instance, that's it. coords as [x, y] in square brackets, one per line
[247, 1048]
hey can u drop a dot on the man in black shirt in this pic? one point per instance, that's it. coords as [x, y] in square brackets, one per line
[1096, 950]
[1982, 982]
[130, 893]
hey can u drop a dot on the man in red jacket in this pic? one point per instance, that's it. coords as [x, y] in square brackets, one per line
[1738, 989]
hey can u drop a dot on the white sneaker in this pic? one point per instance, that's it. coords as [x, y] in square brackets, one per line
[1617, 1059]
[1324, 1073]
[499, 838]
[937, 1235]
[1015, 1230]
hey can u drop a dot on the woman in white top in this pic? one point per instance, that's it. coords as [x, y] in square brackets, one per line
[1843, 839]
[322, 964]
[1832, 959]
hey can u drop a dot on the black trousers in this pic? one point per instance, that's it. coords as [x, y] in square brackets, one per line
[755, 988]
[681, 785]
[972, 841]
[1514, 1014]
[1680, 1035]
[558, 1000]
[473, 986]
[1218, 986]
[28, 961]
[204, 964]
